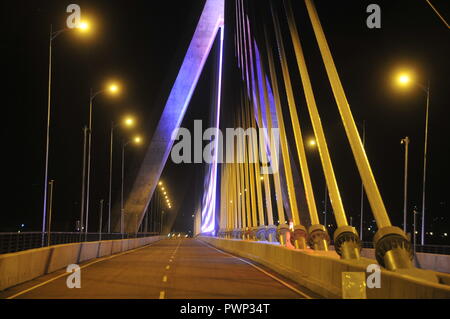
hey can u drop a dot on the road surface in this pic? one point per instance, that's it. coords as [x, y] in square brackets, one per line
[168, 269]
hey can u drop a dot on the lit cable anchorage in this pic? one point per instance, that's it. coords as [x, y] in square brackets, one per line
[165, 193]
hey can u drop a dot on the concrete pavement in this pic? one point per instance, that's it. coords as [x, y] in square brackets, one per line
[171, 268]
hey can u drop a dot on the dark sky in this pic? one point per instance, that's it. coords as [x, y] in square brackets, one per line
[142, 43]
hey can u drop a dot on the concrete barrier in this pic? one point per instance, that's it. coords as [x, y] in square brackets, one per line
[125, 245]
[321, 272]
[63, 255]
[22, 266]
[105, 248]
[436, 262]
[89, 250]
[19, 267]
[116, 246]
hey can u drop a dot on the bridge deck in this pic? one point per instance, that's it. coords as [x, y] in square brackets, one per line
[171, 268]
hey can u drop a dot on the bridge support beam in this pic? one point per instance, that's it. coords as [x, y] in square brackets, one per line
[211, 20]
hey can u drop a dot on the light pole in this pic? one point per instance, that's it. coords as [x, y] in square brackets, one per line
[415, 212]
[427, 91]
[405, 186]
[405, 79]
[101, 220]
[51, 183]
[83, 180]
[136, 140]
[53, 34]
[113, 89]
[128, 122]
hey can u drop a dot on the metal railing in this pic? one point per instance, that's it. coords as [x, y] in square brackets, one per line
[15, 241]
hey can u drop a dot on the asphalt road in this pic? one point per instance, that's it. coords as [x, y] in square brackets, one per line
[168, 269]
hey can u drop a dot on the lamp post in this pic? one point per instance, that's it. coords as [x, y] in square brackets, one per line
[415, 212]
[405, 79]
[113, 89]
[53, 34]
[427, 91]
[83, 180]
[101, 220]
[51, 183]
[136, 140]
[405, 186]
[128, 122]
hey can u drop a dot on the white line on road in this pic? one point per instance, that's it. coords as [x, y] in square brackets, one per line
[261, 270]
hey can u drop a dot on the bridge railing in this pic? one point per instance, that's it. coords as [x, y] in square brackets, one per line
[15, 241]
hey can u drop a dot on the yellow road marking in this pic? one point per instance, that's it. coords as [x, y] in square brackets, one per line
[162, 294]
[164, 279]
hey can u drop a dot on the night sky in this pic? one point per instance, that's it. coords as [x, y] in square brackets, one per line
[142, 44]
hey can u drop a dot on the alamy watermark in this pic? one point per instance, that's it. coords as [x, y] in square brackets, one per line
[241, 145]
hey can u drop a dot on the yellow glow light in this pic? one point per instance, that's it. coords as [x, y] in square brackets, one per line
[137, 139]
[312, 142]
[129, 121]
[113, 88]
[84, 26]
[404, 79]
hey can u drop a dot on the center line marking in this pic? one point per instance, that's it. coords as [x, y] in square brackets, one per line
[162, 294]
[167, 267]
[164, 278]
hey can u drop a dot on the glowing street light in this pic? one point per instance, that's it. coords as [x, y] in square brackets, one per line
[405, 79]
[124, 144]
[112, 89]
[128, 121]
[84, 26]
[312, 142]
[137, 140]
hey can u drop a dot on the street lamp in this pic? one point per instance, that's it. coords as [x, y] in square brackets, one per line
[135, 140]
[53, 35]
[113, 89]
[127, 122]
[405, 185]
[84, 26]
[405, 79]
